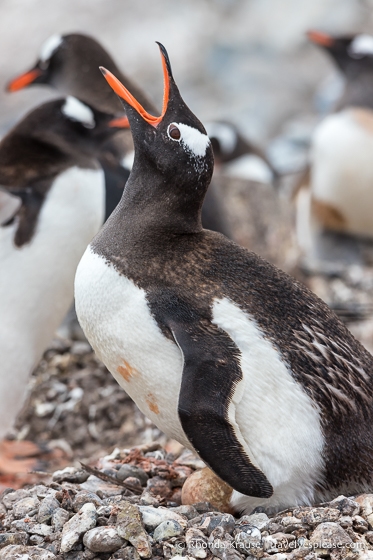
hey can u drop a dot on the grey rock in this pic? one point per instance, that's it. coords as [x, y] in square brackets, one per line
[26, 506]
[224, 549]
[10, 498]
[85, 497]
[127, 553]
[36, 540]
[40, 529]
[346, 506]
[152, 517]
[167, 529]
[80, 523]
[259, 520]
[47, 507]
[197, 544]
[314, 516]
[278, 542]
[126, 471]
[103, 539]
[130, 528]
[19, 552]
[22, 525]
[291, 523]
[189, 512]
[70, 474]
[330, 534]
[245, 543]
[59, 518]
[13, 538]
[359, 524]
[147, 499]
[345, 521]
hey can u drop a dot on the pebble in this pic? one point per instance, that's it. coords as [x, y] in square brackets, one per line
[70, 474]
[189, 512]
[167, 529]
[83, 521]
[205, 486]
[152, 517]
[329, 533]
[130, 528]
[85, 497]
[47, 508]
[197, 545]
[40, 529]
[314, 516]
[27, 506]
[13, 496]
[59, 518]
[258, 520]
[103, 539]
[127, 470]
[19, 552]
[12, 538]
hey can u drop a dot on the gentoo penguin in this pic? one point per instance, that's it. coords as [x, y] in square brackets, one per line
[70, 63]
[220, 349]
[337, 195]
[51, 205]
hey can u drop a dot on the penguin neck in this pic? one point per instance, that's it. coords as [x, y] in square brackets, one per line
[358, 92]
[160, 207]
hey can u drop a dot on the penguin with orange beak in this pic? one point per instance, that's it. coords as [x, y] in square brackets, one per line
[220, 349]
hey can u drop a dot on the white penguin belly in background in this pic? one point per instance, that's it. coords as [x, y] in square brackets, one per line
[36, 280]
[342, 172]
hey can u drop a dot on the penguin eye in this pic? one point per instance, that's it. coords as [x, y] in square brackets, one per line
[174, 132]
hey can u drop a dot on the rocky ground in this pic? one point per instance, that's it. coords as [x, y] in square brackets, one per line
[130, 508]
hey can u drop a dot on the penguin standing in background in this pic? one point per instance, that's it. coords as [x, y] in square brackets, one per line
[221, 350]
[70, 63]
[335, 203]
[52, 202]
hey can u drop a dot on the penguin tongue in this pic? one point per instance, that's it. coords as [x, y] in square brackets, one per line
[123, 93]
[23, 80]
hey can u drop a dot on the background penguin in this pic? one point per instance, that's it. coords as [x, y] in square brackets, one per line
[336, 197]
[70, 63]
[51, 205]
[220, 349]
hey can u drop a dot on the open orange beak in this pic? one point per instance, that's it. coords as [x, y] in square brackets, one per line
[23, 80]
[124, 94]
[322, 39]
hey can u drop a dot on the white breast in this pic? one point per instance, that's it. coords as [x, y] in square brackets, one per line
[278, 421]
[36, 280]
[342, 167]
[116, 319]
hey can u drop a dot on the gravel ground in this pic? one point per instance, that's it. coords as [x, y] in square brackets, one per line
[133, 510]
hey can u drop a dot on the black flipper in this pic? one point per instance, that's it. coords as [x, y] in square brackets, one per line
[211, 372]
[9, 206]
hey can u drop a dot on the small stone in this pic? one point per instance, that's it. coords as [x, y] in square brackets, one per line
[13, 538]
[19, 552]
[103, 539]
[346, 506]
[247, 543]
[189, 459]
[131, 470]
[158, 486]
[189, 512]
[359, 524]
[314, 516]
[10, 498]
[259, 520]
[210, 521]
[40, 529]
[205, 486]
[81, 522]
[197, 545]
[152, 517]
[167, 529]
[134, 482]
[47, 507]
[345, 521]
[148, 500]
[70, 474]
[182, 474]
[204, 507]
[85, 497]
[330, 534]
[59, 518]
[28, 506]
[290, 524]
[130, 528]
[36, 540]
[127, 553]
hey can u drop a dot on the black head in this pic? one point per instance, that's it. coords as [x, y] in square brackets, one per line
[353, 54]
[70, 63]
[174, 146]
[68, 124]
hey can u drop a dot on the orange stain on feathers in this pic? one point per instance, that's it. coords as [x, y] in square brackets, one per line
[152, 404]
[127, 371]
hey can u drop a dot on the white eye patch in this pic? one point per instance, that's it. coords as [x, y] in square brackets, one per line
[224, 134]
[361, 46]
[48, 48]
[193, 140]
[77, 111]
